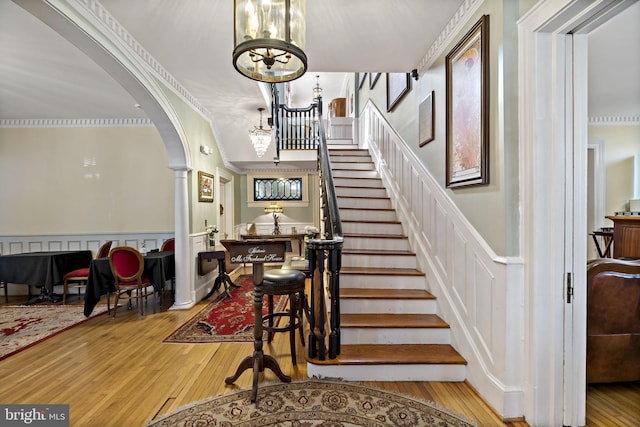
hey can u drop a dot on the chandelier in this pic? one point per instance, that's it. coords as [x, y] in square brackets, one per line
[317, 90]
[269, 38]
[260, 137]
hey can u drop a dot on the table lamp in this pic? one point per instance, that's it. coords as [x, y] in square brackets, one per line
[274, 209]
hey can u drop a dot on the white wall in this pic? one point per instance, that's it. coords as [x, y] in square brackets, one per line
[84, 180]
[622, 162]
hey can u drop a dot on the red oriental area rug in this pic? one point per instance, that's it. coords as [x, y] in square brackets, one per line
[227, 320]
[22, 327]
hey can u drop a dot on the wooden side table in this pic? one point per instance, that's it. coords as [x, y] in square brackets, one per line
[626, 236]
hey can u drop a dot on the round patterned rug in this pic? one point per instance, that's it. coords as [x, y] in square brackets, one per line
[312, 403]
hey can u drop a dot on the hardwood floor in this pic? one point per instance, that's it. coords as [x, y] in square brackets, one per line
[118, 372]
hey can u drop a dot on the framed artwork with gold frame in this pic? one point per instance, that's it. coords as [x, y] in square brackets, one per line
[205, 187]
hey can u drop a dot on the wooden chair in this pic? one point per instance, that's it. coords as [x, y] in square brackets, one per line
[168, 245]
[127, 266]
[80, 276]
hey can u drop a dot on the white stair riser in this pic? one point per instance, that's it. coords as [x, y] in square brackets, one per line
[361, 192]
[367, 215]
[362, 243]
[379, 261]
[353, 151]
[348, 182]
[387, 306]
[395, 336]
[340, 142]
[344, 158]
[355, 202]
[384, 228]
[438, 372]
[340, 147]
[353, 166]
[375, 281]
[355, 174]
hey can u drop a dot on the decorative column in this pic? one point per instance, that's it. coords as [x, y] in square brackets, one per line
[184, 296]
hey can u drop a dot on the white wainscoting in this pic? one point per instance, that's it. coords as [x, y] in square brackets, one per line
[479, 293]
[16, 244]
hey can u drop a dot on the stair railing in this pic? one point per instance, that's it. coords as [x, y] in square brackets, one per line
[296, 128]
[325, 259]
[302, 129]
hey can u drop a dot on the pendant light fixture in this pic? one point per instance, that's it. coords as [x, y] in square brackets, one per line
[260, 137]
[269, 38]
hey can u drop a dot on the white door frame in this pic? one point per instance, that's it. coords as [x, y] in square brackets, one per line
[553, 140]
[225, 190]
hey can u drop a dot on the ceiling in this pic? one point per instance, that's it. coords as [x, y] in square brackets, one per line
[43, 76]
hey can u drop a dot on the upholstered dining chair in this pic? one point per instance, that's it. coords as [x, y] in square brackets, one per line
[79, 277]
[168, 245]
[127, 266]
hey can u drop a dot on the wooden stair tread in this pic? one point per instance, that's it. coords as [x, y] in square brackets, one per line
[382, 271]
[362, 221]
[377, 236]
[391, 320]
[395, 354]
[377, 252]
[352, 170]
[366, 293]
[368, 209]
[381, 187]
[362, 197]
[357, 178]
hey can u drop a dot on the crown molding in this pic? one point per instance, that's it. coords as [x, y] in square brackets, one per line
[73, 123]
[279, 171]
[615, 120]
[460, 18]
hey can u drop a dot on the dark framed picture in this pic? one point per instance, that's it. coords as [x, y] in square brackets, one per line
[363, 78]
[426, 115]
[205, 187]
[397, 88]
[373, 79]
[467, 75]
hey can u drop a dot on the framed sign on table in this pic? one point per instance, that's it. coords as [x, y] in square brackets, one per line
[467, 75]
[397, 88]
[205, 187]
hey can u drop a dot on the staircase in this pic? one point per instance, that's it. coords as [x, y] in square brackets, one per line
[389, 327]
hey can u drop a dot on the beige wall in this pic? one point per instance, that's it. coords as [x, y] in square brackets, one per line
[622, 162]
[84, 180]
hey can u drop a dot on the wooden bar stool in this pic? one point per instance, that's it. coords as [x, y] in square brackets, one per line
[291, 283]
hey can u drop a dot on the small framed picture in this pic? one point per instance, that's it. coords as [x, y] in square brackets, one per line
[397, 88]
[426, 115]
[363, 78]
[205, 187]
[373, 78]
